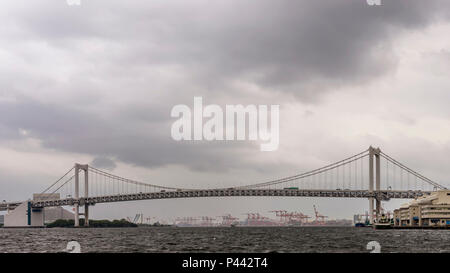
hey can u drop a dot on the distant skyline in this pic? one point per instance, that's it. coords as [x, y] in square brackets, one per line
[96, 84]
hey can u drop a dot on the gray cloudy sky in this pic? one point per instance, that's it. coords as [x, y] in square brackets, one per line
[96, 83]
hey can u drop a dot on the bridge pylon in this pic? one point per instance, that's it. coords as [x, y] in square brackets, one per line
[374, 181]
[85, 169]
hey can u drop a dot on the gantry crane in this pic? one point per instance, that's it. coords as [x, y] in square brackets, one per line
[228, 220]
[207, 221]
[283, 216]
[302, 218]
[320, 219]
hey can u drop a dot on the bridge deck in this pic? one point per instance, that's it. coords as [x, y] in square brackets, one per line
[383, 195]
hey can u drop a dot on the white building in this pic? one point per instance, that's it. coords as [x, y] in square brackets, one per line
[27, 216]
[430, 210]
[56, 213]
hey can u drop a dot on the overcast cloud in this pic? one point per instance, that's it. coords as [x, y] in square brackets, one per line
[96, 83]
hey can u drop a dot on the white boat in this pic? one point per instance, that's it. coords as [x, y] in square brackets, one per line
[382, 222]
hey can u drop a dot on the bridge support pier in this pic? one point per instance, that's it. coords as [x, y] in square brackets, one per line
[86, 215]
[374, 178]
[86, 195]
[377, 181]
[78, 168]
[371, 180]
[77, 215]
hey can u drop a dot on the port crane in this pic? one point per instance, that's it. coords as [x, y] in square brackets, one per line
[289, 217]
[320, 219]
[207, 221]
[228, 220]
[250, 218]
[301, 217]
[282, 214]
[258, 220]
[186, 220]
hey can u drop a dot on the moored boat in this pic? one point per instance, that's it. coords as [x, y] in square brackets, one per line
[382, 223]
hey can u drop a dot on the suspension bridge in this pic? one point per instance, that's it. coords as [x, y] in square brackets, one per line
[370, 174]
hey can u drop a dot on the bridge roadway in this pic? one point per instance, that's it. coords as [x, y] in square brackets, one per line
[383, 195]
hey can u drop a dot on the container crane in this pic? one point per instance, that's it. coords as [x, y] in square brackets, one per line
[320, 219]
[228, 220]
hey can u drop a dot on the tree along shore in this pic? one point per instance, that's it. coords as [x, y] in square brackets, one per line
[92, 223]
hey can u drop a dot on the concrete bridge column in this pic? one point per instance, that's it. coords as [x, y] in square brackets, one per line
[377, 180]
[371, 180]
[77, 216]
[86, 195]
[374, 178]
[86, 215]
[77, 196]
[79, 167]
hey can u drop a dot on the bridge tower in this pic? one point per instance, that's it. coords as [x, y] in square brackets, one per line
[78, 168]
[374, 180]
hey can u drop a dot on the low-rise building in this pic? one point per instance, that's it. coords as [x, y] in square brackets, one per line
[55, 213]
[25, 215]
[429, 210]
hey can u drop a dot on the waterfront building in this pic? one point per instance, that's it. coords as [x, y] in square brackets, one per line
[57, 213]
[427, 211]
[36, 217]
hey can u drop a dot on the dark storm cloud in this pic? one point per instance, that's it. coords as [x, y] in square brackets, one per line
[120, 48]
[135, 141]
[103, 163]
[287, 46]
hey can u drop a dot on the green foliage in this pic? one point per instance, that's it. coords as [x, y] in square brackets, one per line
[92, 223]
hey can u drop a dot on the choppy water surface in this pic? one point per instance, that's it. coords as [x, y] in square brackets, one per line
[273, 239]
